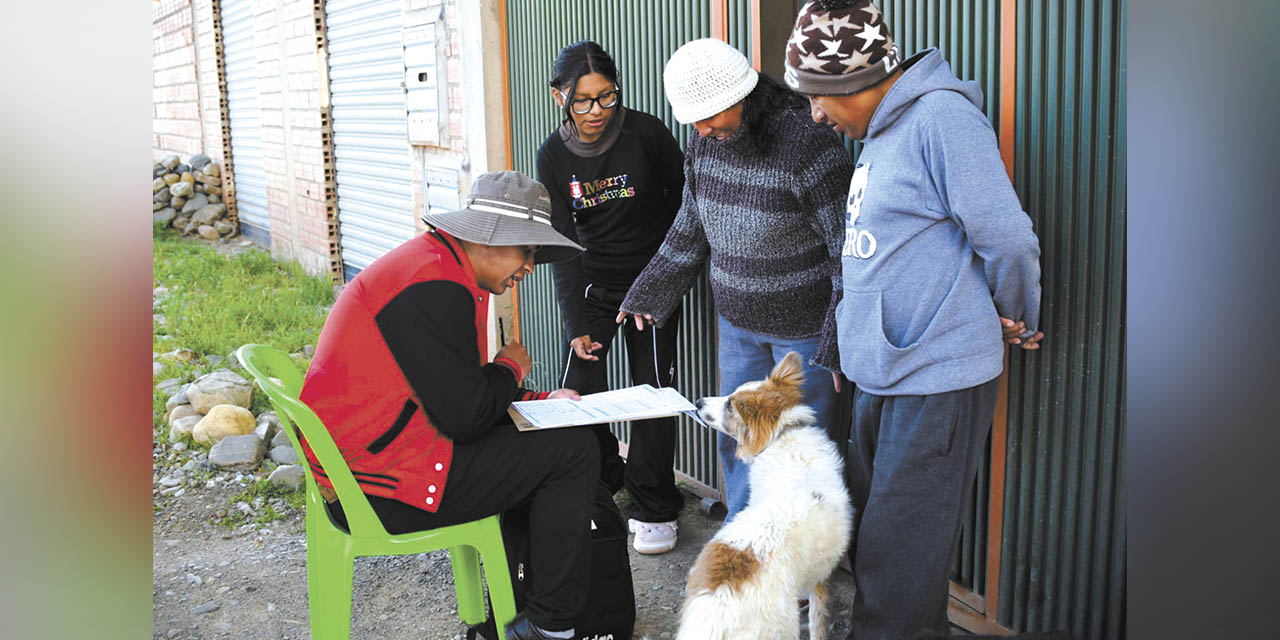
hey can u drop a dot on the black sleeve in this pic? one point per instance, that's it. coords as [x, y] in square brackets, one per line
[430, 329]
[567, 274]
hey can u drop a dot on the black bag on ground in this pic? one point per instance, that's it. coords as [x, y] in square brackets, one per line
[610, 613]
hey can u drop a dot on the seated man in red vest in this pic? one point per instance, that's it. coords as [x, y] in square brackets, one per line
[402, 380]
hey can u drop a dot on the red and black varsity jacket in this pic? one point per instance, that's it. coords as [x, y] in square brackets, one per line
[400, 372]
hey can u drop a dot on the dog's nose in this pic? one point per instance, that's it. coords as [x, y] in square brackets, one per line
[698, 404]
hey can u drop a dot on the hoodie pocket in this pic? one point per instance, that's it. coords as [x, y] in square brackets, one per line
[866, 355]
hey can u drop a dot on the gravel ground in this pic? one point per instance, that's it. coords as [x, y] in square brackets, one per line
[250, 582]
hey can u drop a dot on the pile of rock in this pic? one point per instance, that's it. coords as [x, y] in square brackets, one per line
[214, 410]
[188, 196]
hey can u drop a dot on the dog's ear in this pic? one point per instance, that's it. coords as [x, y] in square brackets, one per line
[789, 372]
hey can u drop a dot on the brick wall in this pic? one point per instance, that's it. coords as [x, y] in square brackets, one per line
[289, 109]
[176, 124]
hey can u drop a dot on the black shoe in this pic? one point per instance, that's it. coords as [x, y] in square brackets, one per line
[520, 628]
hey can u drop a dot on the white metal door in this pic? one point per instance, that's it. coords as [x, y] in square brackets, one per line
[370, 128]
[242, 110]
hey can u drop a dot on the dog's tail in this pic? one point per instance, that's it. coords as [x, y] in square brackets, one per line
[707, 615]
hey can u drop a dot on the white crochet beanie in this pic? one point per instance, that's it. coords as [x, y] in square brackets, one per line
[704, 77]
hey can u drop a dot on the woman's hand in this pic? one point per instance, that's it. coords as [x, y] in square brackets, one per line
[564, 393]
[640, 319]
[583, 346]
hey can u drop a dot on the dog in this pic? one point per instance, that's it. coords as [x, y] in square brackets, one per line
[748, 580]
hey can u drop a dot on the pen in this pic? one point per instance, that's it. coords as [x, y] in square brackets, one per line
[502, 334]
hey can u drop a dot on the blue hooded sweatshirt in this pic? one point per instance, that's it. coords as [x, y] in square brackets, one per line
[936, 244]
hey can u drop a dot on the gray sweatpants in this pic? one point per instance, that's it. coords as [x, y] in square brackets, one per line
[911, 465]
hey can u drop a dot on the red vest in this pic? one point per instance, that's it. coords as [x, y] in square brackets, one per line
[358, 391]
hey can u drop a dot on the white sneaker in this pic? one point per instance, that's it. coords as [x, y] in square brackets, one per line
[653, 537]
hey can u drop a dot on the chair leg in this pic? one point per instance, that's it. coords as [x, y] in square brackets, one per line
[466, 582]
[498, 575]
[330, 568]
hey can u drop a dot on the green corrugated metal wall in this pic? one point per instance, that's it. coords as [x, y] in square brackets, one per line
[640, 35]
[1064, 538]
[1063, 562]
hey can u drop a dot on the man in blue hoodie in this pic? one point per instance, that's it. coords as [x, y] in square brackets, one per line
[939, 264]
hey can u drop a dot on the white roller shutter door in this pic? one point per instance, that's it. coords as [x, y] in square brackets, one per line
[242, 110]
[370, 128]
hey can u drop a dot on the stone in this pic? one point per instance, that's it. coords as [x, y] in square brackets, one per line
[182, 168]
[191, 227]
[281, 439]
[222, 421]
[179, 355]
[224, 227]
[220, 387]
[214, 198]
[181, 189]
[268, 425]
[183, 427]
[309, 351]
[171, 178]
[170, 161]
[237, 452]
[206, 608]
[289, 475]
[178, 398]
[195, 203]
[177, 202]
[156, 368]
[188, 178]
[156, 206]
[179, 446]
[208, 180]
[158, 184]
[158, 170]
[285, 455]
[164, 216]
[181, 222]
[212, 169]
[198, 161]
[207, 232]
[164, 195]
[169, 387]
[213, 360]
[208, 213]
[181, 411]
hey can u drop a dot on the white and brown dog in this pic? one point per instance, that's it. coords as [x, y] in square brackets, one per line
[784, 545]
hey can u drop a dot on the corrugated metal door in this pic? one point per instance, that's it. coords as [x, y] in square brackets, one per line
[370, 128]
[1064, 550]
[248, 169]
[640, 36]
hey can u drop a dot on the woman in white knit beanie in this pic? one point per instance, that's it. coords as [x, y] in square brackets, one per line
[764, 205]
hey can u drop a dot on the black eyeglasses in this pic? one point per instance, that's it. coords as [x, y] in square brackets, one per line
[606, 100]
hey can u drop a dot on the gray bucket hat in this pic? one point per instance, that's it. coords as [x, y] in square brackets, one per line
[507, 208]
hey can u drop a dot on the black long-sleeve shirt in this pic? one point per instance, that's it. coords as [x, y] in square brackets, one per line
[618, 204]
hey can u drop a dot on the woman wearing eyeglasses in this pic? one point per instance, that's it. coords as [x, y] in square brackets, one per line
[615, 176]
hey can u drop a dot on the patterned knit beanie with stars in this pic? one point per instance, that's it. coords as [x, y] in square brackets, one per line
[839, 47]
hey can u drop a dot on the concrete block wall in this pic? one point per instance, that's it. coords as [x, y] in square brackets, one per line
[176, 114]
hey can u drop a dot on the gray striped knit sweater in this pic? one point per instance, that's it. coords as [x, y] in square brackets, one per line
[770, 220]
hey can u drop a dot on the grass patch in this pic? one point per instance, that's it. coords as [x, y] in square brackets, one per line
[295, 498]
[217, 303]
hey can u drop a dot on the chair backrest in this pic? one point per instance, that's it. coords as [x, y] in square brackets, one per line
[264, 364]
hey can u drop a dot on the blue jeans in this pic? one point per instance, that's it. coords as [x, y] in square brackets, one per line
[746, 356]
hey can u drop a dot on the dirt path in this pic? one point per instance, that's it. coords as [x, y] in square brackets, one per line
[255, 576]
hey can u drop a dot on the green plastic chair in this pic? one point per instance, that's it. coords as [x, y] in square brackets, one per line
[331, 551]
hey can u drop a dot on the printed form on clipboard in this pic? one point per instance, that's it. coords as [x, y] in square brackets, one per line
[633, 403]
